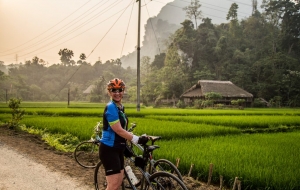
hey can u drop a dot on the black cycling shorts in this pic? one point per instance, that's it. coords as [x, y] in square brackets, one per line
[112, 159]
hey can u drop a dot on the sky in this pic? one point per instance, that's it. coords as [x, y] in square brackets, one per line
[101, 29]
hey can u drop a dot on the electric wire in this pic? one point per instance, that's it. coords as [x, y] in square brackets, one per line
[49, 28]
[108, 30]
[86, 22]
[55, 32]
[67, 34]
[152, 28]
[78, 34]
[71, 30]
[91, 52]
[203, 6]
[217, 6]
[240, 3]
[126, 30]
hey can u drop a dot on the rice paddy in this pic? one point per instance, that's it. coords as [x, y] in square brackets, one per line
[262, 160]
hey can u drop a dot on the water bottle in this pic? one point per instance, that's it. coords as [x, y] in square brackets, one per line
[131, 175]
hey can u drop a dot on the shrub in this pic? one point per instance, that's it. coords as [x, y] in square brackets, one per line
[17, 113]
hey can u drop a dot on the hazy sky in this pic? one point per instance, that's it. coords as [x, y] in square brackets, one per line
[102, 29]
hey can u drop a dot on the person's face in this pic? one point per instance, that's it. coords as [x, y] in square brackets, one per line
[116, 94]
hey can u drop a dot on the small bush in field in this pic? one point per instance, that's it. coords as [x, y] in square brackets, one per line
[17, 113]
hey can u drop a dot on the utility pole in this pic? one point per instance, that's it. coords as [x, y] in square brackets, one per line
[68, 96]
[6, 95]
[138, 57]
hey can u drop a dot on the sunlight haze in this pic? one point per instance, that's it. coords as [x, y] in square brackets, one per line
[41, 28]
[97, 28]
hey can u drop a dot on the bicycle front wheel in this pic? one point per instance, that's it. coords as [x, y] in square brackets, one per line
[87, 154]
[167, 166]
[166, 181]
[99, 177]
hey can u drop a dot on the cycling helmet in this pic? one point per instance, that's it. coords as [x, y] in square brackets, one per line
[115, 83]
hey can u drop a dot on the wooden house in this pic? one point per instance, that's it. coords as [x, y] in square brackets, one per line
[226, 89]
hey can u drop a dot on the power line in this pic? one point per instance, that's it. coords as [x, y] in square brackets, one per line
[240, 3]
[108, 31]
[126, 30]
[53, 34]
[152, 28]
[92, 50]
[68, 32]
[76, 35]
[48, 29]
[202, 5]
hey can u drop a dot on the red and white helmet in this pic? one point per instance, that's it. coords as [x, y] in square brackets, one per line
[115, 83]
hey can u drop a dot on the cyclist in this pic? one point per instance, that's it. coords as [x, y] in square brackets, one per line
[114, 135]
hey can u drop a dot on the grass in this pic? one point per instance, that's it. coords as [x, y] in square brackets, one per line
[261, 161]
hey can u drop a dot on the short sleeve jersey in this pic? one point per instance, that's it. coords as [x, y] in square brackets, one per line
[111, 115]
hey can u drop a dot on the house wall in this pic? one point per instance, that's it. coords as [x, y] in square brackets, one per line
[226, 100]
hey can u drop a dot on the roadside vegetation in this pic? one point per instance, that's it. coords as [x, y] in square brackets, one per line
[267, 159]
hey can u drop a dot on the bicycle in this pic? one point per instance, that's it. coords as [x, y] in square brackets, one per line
[153, 165]
[159, 180]
[87, 152]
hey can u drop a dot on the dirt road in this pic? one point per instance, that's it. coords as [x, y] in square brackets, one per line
[26, 162]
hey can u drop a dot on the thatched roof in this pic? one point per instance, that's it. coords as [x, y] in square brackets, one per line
[89, 89]
[225, 88]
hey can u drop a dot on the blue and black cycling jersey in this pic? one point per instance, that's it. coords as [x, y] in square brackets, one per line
[111, 115]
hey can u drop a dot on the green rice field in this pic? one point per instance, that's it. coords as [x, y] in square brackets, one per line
[259, 146]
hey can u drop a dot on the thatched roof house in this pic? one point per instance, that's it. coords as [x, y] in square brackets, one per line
[89, 89]
[227, 89]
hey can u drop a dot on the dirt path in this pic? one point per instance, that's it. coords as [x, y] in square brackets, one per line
[28, 163]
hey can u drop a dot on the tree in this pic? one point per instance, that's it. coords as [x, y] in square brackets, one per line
[205, 74]
[193, 12]
[184, 38]
[173, 76]
[288, 13]
[82, 56]
[17, 113]
[232, 13]
[65, 56]
[35, 61]
[98, 92]
[158, 61]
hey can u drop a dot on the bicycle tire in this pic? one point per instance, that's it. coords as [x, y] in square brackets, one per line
[166, 181]
[167, 166]
[99, 177]
[87, 154]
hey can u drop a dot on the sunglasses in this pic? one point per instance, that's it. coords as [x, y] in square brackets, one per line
[116, 90]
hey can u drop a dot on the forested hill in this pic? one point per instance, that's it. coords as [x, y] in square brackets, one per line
[159, 28]
[259, 53]
[157, 31]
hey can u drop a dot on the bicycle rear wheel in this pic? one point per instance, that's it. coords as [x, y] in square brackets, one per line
[167, 166]
[166, 181]
[87, 154]
[99, 177]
